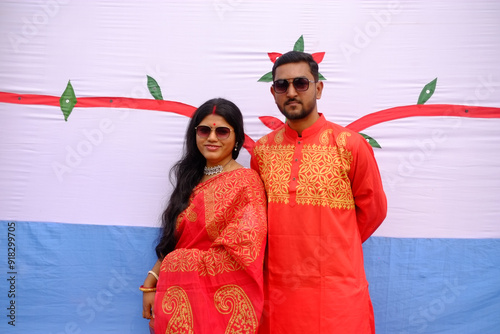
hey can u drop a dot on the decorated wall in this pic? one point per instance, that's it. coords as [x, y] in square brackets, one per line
[95, 97]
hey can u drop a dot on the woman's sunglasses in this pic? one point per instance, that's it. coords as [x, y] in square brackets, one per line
[222, 132]
[300, 85]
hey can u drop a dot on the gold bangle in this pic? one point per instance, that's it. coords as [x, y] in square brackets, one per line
[143, 289]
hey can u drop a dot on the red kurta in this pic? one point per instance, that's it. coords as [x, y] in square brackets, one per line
[325, 198]
[212, 282]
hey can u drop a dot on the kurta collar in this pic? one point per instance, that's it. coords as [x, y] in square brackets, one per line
[313, 129]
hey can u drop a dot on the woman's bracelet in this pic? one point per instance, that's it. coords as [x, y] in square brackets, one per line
[143, 289]
[153, 273]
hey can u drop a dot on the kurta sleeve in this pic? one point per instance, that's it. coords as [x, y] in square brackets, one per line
[367, 189]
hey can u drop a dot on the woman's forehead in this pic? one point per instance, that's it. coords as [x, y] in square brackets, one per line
[214, 120]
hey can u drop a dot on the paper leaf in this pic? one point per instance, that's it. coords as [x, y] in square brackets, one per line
[271, 122]
[299, 45]
[67, 101]
[268, 77]
[154, 88]
[427, 92]
[273, 56]
[370, 140]
[318, 56]
[321, 77]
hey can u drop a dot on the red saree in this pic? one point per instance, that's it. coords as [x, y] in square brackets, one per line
[212, 282]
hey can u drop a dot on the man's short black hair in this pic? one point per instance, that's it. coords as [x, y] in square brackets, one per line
[297, 57]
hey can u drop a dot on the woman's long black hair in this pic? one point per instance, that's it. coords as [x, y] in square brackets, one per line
[189, 170]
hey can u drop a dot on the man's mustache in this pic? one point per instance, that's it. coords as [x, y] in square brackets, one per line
[292, 100]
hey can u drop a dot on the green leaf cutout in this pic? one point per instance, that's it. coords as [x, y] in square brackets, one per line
[427, 92]
[321, 77]
[371, 141]
[268, 77]
[299, 45]
[154, 88]
[67, 101]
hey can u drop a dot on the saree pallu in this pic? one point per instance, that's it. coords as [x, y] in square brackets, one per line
[213, 282]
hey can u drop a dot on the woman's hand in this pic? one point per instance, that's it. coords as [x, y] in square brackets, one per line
[148, 301]
[148, 298]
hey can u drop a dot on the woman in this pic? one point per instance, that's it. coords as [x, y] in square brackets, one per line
[208, 277]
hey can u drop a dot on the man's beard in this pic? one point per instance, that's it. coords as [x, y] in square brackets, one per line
[294, 116]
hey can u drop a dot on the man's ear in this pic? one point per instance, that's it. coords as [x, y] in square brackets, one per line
[319, 89]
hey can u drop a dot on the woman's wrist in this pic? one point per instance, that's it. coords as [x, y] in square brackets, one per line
[145, 289]
[151, 280]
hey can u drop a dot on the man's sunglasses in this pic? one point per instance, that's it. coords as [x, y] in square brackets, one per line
[204, 131]
[300, 85]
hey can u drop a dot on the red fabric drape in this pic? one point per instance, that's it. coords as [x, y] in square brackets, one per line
[212, 282]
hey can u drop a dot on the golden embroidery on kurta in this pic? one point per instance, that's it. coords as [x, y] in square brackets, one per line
[323, 177]
[324, 137]
[263, 140]
[342, 139]
[231, 299]
[324, 173]
[275, 165]
[176, 302]
[278, 138]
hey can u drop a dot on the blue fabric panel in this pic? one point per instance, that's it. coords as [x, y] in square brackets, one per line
[84, 279]
[78, 278]
[434, 285]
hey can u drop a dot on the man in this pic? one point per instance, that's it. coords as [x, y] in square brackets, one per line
[325, 198]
